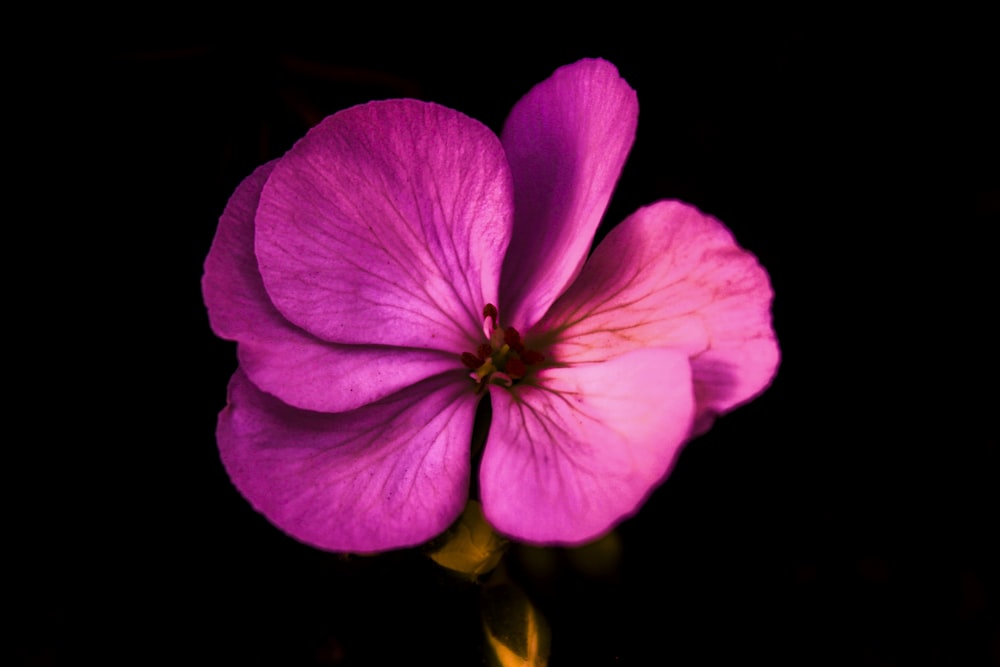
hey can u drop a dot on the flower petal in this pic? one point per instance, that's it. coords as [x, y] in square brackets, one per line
[671, 276]
[566, 141]
[279, 357]
[568, 459]
[386, 224]
[390, 474]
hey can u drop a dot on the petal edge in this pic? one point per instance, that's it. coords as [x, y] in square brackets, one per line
[278, 356]
[671, 276]
[566, 141]
[388, 475]
[386, 224]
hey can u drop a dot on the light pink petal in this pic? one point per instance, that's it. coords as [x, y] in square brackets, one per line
[390, 474]
[386, 224]
[671, 276]
[279, 357]
[566, 141]
[566, 460]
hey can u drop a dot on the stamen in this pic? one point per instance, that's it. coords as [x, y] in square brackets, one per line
[501, 379]
[504, 359]
[490, 314]
[515, 368]
[471, 361]
[496, 339]
[512, 337]
[485, 369]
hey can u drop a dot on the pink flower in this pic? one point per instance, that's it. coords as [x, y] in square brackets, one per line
[401, 262]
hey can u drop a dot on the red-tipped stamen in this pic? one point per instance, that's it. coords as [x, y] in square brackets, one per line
[471, 361]
[490, 312]
[515, 368]
[504, 359]
[511, 337]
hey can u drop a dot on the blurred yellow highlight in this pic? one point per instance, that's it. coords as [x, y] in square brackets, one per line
[516, 634]
[472, 547]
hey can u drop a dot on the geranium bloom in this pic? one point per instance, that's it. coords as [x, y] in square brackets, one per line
[401, 262]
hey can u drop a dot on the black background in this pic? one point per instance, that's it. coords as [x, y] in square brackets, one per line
[843, 517]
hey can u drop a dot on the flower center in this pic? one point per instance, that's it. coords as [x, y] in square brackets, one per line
[504, 360]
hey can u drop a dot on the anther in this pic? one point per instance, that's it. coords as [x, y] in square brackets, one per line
[471, 361]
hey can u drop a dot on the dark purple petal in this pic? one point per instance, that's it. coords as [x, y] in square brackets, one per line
[387, 225]
[278, 356]
[390, 474]
[671, 276]
[568, 459]
[567, 141]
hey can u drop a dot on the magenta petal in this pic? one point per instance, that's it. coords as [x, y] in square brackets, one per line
[386, 224]
[312, 375]
[231, 285]
[671, 276]
[566, 141]
[567, 460]
[279, 357]
[391, 474]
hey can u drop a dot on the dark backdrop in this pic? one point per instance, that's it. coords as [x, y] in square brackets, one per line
[841, 518]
